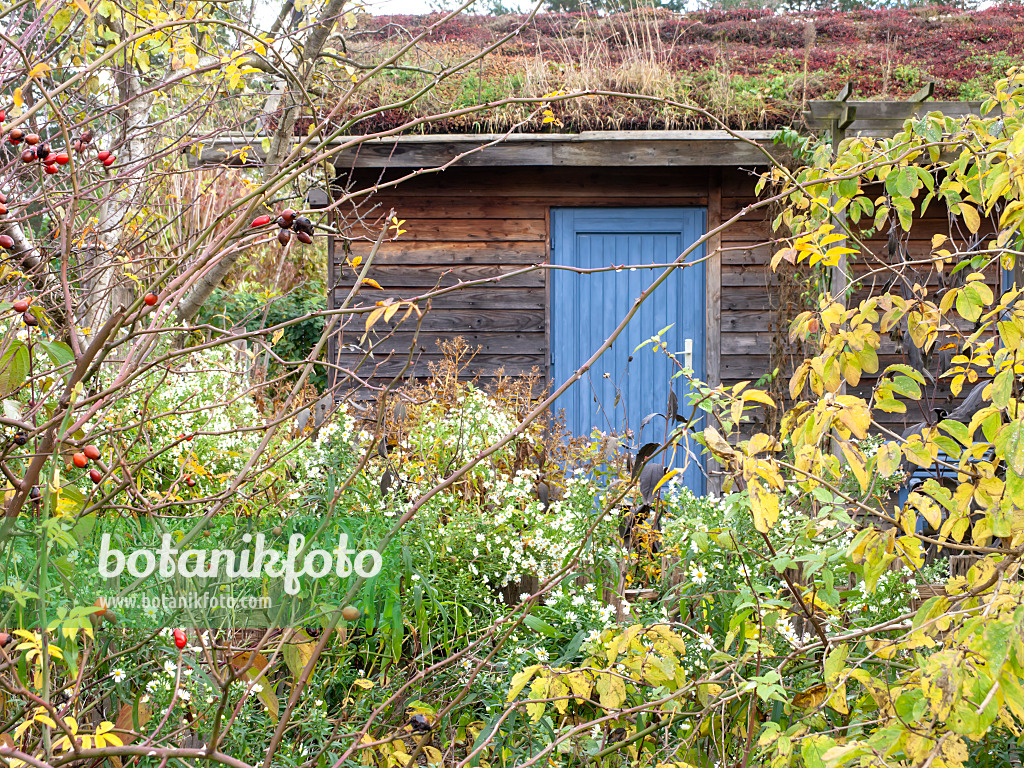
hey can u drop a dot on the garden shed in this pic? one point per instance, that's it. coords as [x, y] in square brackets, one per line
[585, 201]
[623, 184]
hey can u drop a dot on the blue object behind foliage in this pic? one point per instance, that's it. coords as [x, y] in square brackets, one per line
[585, 309]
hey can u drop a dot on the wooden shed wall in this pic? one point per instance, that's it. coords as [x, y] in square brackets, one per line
[475, 223]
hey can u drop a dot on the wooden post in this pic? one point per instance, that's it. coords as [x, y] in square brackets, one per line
[713, 306]
[839, 282]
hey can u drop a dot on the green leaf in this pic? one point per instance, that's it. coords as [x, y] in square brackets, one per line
[835, 663]
[957, 430]
[847, 188]
[906, 181]
[906, 370]
[1015, 446]
[60, 354]
[968, 303]
[1002, 388]
[538, 625]
[14, 366]
[907, 387]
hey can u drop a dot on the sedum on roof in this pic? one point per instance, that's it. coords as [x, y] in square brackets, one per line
[753, 69]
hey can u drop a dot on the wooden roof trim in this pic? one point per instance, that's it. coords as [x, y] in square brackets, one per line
[591, 148]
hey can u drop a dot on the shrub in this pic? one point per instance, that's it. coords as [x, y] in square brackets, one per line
[255, 309]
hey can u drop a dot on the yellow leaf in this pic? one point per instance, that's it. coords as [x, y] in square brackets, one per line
[374, 317]
[716, 443]
[538, 690]
[39, 69]
[84, 7]
[971, 217]
[856, 461]
[611, 689]
[373, 283]
[520, 679]
[363, 683]
[811, 698]
[764, 506]
[888, 459]
[837, 700]
[760, 442]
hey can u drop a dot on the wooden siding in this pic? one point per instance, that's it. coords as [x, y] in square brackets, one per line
[749, 290]
[478, 224]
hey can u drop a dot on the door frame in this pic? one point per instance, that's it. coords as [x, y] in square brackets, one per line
[712, 292]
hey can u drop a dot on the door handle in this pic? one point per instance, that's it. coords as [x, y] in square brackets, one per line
[687, 354]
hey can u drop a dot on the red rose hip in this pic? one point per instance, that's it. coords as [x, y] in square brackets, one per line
[102, 155]
[151, 299]
[80, 460]
[6, 241]
[179, 639]
[95, 475]
[21, 306]
[91, 452]
[259, 221]
[62, 158]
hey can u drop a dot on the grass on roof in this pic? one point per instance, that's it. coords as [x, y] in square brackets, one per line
[751, 69]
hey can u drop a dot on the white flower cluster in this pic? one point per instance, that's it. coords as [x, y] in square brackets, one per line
[196, 415]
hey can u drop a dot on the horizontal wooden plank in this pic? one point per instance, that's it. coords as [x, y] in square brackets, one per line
[416, 253]
[428, 342]
[398, 154]
[746, 231]
[445, 276]
[461, 230]
[746, 256]
[420, 207]
[759, 275]
[483, 365]
[495, 207]
[560, 184]
[484, 299]
[660, 150]
[744, 367]
[752, 342]
[738, 182]
[733, 321]
[467, 321]
[667, 153]
[745, 299]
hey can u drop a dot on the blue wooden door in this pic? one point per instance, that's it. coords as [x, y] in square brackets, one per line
[626, 384]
